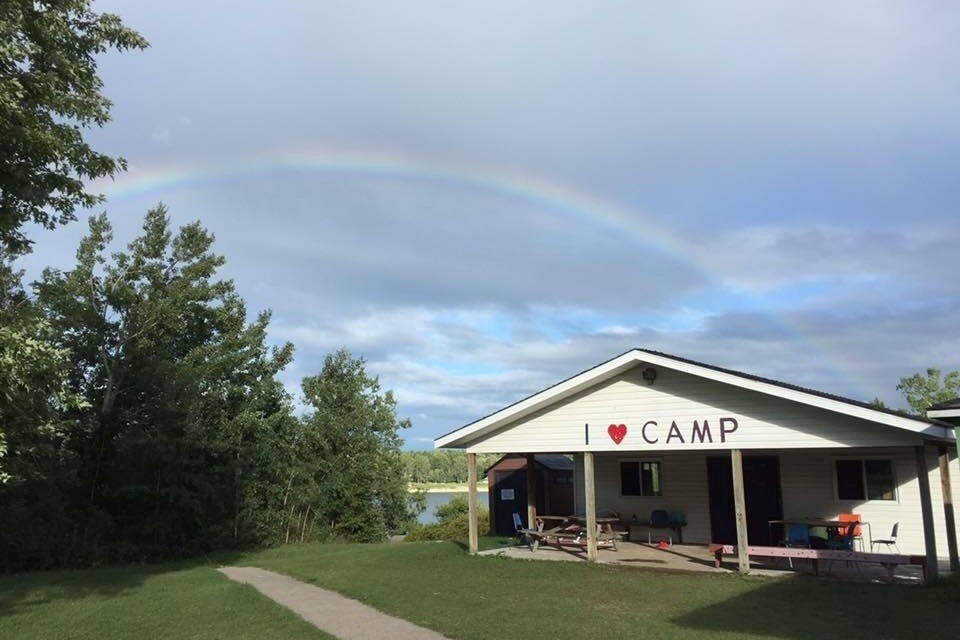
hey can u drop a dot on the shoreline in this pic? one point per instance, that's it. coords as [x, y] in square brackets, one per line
[445, 487]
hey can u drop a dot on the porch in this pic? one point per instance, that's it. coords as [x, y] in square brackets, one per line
[695, 558]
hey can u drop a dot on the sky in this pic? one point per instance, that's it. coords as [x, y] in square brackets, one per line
[484, 198]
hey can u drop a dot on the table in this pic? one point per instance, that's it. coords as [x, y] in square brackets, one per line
[836, 525]
[575, 525]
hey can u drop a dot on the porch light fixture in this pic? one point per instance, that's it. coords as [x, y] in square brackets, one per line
[649, 374]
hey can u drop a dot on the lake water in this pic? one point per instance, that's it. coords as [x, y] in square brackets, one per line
[434, 500]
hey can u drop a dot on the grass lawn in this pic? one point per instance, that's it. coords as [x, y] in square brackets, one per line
[167, 602]
[439, 586]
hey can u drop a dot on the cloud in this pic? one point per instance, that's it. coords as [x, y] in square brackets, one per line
[783, 178]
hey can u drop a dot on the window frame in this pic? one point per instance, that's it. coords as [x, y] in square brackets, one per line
[863, 478]
[640, 462]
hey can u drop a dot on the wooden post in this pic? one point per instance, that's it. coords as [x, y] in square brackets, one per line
[591, 504]
[740, 510]
[926, 511]
[531, 492]
[472, 501]
[948, 515]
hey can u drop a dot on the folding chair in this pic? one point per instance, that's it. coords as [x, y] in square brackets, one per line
[659, 519]
[892, 541]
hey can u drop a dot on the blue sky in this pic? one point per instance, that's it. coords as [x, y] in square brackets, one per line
[485, 198]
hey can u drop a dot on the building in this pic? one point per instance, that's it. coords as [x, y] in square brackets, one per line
[732, 451]
[508, 484]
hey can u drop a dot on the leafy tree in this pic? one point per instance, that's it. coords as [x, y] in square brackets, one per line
[924, 391]
[354, 433]
[50, 92]
[179, 394]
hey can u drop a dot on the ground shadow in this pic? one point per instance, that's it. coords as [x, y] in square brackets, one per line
[26, 590]
[807, 607]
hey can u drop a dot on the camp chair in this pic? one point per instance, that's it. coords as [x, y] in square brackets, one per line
[845, 541]
[678, 520]
[892, 542]
[659, 519]
[858, 533]
[518, 528]
[798, 536]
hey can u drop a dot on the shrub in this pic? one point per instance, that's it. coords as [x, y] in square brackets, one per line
[455, 528]
[457, 506]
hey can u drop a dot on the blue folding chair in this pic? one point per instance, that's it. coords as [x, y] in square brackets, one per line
[798, 536]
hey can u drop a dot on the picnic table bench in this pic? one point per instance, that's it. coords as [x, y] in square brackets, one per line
[889, 561]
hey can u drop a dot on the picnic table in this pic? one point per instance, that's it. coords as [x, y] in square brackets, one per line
[836, 526]
[571, 531]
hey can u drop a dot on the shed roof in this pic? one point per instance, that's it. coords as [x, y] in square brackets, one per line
[949, 404]
[604, 371]
[552, 461]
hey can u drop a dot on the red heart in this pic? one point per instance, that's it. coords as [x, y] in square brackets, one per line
[617, 432]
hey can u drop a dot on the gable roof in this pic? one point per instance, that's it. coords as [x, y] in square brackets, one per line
[462, 436]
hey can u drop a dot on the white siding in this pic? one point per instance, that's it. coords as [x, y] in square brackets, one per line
[763, 421]
[807, 486]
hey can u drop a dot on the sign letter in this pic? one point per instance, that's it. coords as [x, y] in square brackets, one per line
[724, 430]
[674, 433]
[703, 434]
[643, 432]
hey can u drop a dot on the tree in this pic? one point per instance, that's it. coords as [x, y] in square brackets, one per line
[180, 392]
[50, 92]
[353, 431]
[922, 392]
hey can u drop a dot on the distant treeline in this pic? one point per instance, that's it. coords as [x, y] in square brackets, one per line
[443, 466]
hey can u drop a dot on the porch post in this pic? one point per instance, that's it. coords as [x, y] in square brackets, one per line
[531, 492]
[948, 515]
[591, 500]
[472, 501]
[740, 510]
[926, 511]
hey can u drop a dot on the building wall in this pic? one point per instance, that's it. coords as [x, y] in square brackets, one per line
[807, 486]
[762, 421]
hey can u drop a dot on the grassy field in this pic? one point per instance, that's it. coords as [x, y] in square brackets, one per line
[182, 602]
[439, 586]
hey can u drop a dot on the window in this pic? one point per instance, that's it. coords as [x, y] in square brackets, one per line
[866, 480]
[640, 478]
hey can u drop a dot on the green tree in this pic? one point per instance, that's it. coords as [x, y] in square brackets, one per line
[354, 432]
[50, 92]
[180, 392]
[923, 391]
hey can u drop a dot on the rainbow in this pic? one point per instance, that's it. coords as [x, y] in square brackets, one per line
[546, 195]
[515, 185]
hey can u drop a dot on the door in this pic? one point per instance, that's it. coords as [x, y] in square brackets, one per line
[510, 496]
[761, 484]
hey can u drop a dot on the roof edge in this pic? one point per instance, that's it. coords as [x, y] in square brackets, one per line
[598, 373]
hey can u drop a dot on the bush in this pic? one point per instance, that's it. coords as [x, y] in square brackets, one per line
[456, 507]
[455, 528]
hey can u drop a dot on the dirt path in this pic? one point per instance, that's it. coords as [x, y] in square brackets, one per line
[328, 610]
